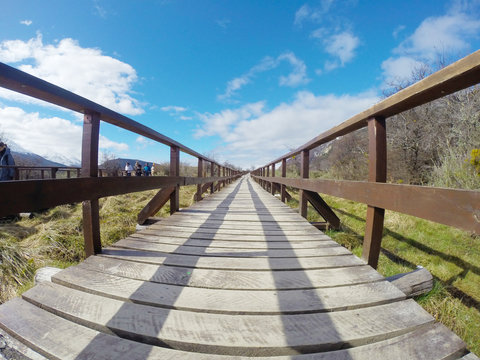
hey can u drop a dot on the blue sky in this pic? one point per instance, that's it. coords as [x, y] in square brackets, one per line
[243, 81]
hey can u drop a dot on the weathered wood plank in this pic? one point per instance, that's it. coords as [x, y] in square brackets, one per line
[51, 335]
[237, 241]
[233, 279]
[226, 301]
[414, 283]
[137, 244]
[227, 334]
[211, 262]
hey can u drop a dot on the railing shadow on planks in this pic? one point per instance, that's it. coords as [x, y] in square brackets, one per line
[30, 195]
[457, 208]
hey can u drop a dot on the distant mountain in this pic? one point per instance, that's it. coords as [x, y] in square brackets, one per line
[30, 159]
[24, 157]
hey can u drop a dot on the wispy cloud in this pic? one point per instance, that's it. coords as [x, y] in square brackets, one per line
[297, 77]
[398, 30]
[448, 34]
[306, 13]
[84, 71]
[175, 109]
[252, 136]
[223, 23]
[26, 22]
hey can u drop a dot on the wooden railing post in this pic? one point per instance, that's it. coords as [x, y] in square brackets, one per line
[304, 170]
[273, 175]
[212, 174]
[91, 218]
[284, 174]
[377, 172]
[223, 172]
[175, 171]
[268, 183]
[53, 173]
[198, 195]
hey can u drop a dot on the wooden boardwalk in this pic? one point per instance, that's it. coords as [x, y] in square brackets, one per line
[237, 275]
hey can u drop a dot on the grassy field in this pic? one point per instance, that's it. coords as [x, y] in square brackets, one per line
[451, 255]
[54, 238]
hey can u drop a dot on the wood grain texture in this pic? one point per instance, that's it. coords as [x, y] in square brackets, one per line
[229, 334]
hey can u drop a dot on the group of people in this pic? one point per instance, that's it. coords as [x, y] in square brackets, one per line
[146, 170]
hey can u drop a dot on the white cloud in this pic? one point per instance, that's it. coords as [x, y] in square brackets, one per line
[143, 142]
[26, 22]
[400, 68]
[50, 137]
[297, 77]
[84, 71]
[254, 136]
[341, 46]
[175, 109]
[435, 36]
[306, 13]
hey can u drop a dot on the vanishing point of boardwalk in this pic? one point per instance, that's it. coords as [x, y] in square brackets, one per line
[237, 275]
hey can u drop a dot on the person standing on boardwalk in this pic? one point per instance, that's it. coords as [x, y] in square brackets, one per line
[128, 169]
[138, 169]
[146, 170]
[6, 159]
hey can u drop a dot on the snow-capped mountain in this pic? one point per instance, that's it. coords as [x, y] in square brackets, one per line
[28, 158]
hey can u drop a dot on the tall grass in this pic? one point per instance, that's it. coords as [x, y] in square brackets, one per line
[55, 238]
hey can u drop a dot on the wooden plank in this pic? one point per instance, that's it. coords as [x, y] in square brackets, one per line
[192, 228]
[413, 283]
[233, 279]
[226, 301]
[235, 234]
[209, 332]
[232, 241]
[453, 207]
[155, 204]
[137, 244]
[229, 263]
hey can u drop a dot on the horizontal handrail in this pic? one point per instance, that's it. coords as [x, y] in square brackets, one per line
[457, 76]
[33, 195]
[453, 207]
[19, 81]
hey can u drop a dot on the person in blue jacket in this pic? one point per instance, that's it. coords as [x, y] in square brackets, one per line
[146, 170]
[6, 159]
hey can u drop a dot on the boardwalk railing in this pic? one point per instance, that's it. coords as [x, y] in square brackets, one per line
[31, 195]
[458, 208]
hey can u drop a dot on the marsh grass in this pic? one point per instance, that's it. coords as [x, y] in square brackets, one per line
[451, 255]
[54, 237]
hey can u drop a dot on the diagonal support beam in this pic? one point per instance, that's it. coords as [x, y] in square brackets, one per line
[155, 204]
[322, 208]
